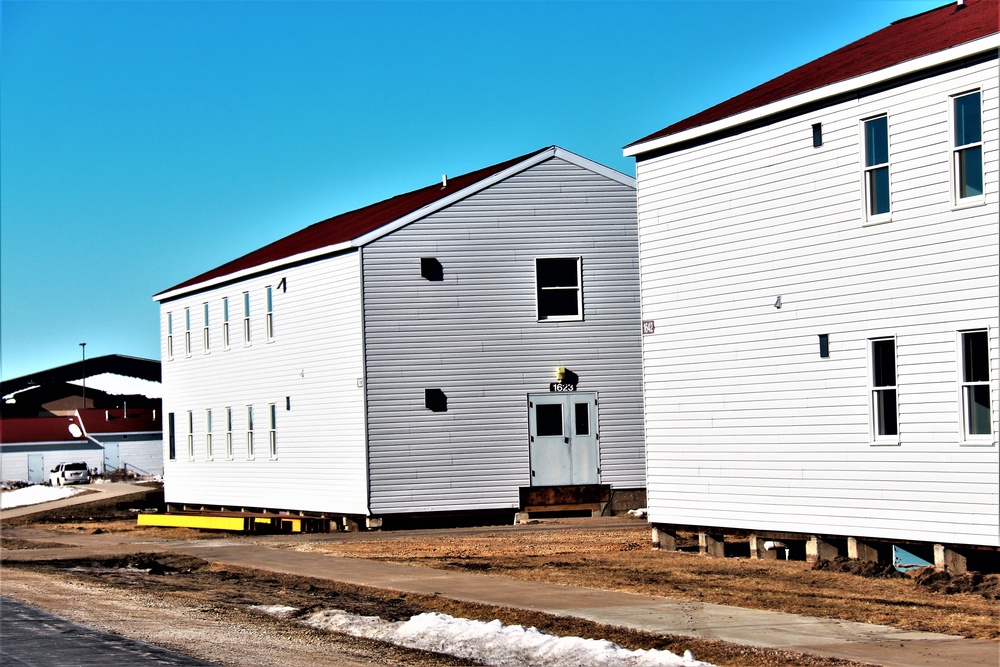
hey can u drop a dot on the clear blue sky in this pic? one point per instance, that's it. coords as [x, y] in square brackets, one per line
[142, 143]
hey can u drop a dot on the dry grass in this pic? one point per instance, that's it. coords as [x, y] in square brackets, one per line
[621, 559]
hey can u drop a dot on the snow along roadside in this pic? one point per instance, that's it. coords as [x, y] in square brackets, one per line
[489, 643]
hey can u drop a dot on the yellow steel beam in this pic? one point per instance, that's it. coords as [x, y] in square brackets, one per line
[191, 521]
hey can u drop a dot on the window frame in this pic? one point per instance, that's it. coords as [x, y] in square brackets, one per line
[246, 319]
[206, 339]
[187, 332]
[868, 171]
[209, 453]
[272, 431]
[170, 336]
[225, 323]
[190, 435]
[229, 433]
[578, 288]
[250, 428]
[269, 314]
[875, 391]
[967, 438]
[958, 201]
[171, 437]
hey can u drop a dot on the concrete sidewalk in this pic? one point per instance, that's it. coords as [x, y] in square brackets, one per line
[99, 492]
[840, 639]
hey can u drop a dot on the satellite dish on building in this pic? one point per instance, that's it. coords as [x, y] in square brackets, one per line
[75, 431]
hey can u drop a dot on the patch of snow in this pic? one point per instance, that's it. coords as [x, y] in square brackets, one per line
[494, 643]
[274, 609]
[113, 383]
[642, 512]
[32, 495]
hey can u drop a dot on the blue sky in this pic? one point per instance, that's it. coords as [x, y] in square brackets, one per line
[142, 143]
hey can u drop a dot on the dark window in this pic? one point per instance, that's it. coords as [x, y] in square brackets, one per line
[884, 387]
[558, 288]
[969, 145]
[581, 412]
[824, 345]
[548, 419]
[877, 165]
[171, 443]
[976, 382]
[817, 135]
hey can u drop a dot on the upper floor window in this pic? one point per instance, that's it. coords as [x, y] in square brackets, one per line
[246, 318]
[876, 132]
[206, 342]
[187, 332]
[976, 385]
[269, 315]
[170, 336]
[225, 322]
[559, 295]
[968, 148]
[882, 358]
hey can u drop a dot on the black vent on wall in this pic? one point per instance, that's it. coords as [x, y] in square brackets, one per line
[431, 269]
[435, 400]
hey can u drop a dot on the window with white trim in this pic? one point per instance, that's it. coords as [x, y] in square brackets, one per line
[170, 336]
[249, 431]
[876, 138]
[967, 159]
[171, 437]
[272, 430]
[187, 332]
[229, 434]
[269, 314]
[246, 318]
[884, 413]
[225, 323]
[208, 435]
[559, 295]
[190, 435]
[977, 422]
[206, 342]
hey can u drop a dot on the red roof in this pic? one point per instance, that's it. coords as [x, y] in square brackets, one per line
[29, 430]
[351, 225]
[906, 39]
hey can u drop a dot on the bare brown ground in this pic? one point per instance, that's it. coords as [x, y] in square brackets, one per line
[621, 559]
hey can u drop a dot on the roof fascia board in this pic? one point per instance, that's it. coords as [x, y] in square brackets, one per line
[833, 90]
[260, 268]
[456, 196]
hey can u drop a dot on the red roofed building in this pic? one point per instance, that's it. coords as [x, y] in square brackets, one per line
[820, 270]
[450, 349]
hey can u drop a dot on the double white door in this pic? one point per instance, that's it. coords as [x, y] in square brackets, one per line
[563, 431]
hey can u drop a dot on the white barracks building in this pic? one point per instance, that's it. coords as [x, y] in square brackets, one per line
[820, 290]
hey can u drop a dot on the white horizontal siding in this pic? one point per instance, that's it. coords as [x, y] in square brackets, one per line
[314, 363]
[746, 426]
[474, 335]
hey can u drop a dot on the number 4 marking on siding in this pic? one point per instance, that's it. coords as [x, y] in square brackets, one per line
[648, 327]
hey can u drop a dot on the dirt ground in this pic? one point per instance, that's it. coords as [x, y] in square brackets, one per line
[127, 589]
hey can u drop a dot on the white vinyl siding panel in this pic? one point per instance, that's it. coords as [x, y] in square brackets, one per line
[315, 362]
[474, 335]
[747, 427]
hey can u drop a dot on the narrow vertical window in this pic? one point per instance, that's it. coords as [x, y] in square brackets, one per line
[170, 336]
[968, 149]
[272, 430]
[190, 435]
[249, 431]
[208, 434]
[976, 385]
[229, 434]
[817, 129]
[171, 437]
[270, 315]
[187, 332]
[883, 390]
[558, 293]
[225, 323]
[246, 318]
[877, 165]
[206, 342]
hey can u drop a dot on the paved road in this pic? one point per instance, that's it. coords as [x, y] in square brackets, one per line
[30, 637]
